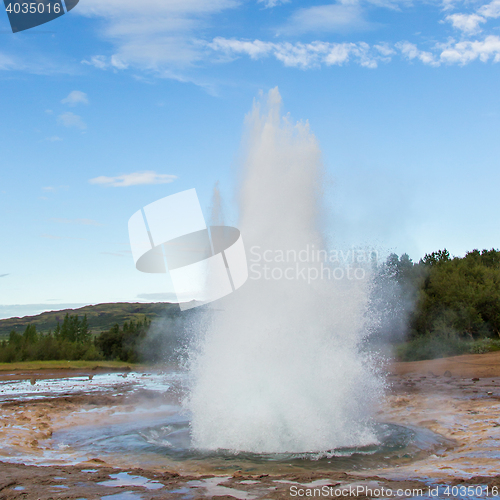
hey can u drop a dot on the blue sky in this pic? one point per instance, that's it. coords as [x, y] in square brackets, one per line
[402, 95]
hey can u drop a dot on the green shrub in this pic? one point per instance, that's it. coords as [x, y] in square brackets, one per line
[432, 346]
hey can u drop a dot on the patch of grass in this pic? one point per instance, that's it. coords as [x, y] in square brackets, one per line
[484, 345]
[68, 365]
[441, 346]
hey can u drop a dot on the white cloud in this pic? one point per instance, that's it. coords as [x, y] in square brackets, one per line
[159, 36]
[317, 54]
[339, 17]
[134, 179]
[118, 63]
[463, 52]
[468, 23]
[76, 97]
[103, 62]
[53, 138]
[269, 4]
[255, 49]
[467, 51]
[301, 55]
[97, 61]
[490, 10]
[6, 62]
[80, 222]
[34, 63]
[448, 5]
[410, 52]
[385, 49]
[152, 8]
[69, 119]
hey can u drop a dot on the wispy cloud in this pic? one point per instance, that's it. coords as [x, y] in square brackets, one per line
[3, 275]
[76, 97]
[7, 62]
[269, 4]
[305, 55]
[465, 52]
[452, 52]
[34, 62]
[134, 179]
[317, 54]
[69, 119]
[157, 36]
[410, 51]
[98, 62]
[54, 138]
[337, 17]
[104, 62]
[468, 23]
[491, 9]
[81, 222]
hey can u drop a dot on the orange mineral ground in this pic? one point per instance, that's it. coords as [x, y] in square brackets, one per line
[456, 399]
[469, 365]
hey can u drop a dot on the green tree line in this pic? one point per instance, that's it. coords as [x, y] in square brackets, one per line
[439, 306]
[72, 340]
[445, 305]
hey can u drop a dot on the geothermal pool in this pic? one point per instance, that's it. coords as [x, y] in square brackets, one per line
[137, 419]
[128, 432]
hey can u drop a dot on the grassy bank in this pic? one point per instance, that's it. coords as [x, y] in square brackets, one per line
[70, 365]
[442, 346]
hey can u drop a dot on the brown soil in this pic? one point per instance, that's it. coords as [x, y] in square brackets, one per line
[470, 365]
[457, 398]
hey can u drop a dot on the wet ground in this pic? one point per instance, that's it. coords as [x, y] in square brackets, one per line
[93, 436]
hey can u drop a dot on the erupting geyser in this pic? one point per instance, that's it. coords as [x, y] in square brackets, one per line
[280, 368]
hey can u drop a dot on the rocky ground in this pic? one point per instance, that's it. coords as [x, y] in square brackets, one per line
[456, 398]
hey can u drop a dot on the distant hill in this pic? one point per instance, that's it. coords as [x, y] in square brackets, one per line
[101, 317]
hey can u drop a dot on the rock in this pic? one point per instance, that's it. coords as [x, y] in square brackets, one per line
[447, 373]
[475, 379]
